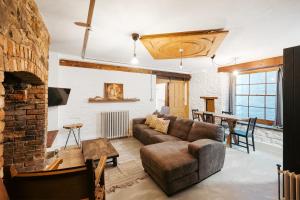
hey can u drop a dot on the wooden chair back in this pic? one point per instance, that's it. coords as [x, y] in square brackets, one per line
[69, 183]
[227, 113]
[194, 116]
[209, 118]
[251, 126]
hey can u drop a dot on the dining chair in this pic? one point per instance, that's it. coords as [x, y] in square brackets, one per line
[194, 116]
[224, 123]
[209, 118]
[246, 134]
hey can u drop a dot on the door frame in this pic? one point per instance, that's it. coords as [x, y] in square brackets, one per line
[186, 92]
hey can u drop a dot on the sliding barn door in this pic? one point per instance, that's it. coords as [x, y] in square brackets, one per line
[178, 98]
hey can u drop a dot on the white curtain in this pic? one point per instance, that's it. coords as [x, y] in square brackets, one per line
[232, 79]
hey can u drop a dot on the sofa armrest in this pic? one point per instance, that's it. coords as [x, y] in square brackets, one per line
[138, 121]
[210, 155]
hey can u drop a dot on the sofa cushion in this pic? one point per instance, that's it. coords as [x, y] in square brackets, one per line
[137, 130]
[140, 127]
[202, 130]
[163, 138]
[172, 121]
[169, 160]
[181, 128]
[210, 155]
[146, 135]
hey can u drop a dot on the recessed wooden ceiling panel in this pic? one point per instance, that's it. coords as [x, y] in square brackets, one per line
[194, 44]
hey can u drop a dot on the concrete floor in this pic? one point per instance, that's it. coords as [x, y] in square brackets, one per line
[244, 177]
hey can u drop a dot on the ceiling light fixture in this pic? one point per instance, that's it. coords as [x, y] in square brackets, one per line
[235, 72]
[135, 37]
[181, 52]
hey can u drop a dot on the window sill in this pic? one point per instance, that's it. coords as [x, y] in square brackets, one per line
[275, 128]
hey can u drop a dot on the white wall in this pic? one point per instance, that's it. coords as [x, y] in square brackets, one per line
[85, 83]
[53, 74]
[209, 83]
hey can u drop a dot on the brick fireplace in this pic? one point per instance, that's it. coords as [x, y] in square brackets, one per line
[24, 48]
[24, 132]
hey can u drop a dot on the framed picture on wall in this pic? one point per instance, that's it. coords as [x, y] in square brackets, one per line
[113, 91]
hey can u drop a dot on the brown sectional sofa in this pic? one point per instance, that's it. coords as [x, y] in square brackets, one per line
[189, 153]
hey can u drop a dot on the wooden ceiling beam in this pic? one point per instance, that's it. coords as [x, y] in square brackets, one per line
[254, 65]
[88, 25]
[90, 65]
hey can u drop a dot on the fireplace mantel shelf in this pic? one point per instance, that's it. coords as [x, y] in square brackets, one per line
[94, 100]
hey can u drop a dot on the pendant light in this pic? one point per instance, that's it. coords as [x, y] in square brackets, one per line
[135, 37]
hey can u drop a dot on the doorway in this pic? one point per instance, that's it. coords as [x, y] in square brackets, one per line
[174, 94]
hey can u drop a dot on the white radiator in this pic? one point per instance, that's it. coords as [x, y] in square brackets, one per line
[291, 185]
[114, 124]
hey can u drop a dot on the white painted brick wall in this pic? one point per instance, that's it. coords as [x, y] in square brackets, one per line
[269, 136]
[85, 83]
[209, 83]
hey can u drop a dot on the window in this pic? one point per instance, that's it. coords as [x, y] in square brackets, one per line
[256, 95]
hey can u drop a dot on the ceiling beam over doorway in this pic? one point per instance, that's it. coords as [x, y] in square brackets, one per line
[91, 65]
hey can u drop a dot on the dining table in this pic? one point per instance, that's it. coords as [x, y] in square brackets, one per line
[231, 121]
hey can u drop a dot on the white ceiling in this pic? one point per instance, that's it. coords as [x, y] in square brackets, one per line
[258, 28]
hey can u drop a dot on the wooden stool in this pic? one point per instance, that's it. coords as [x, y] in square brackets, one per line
[71, 128]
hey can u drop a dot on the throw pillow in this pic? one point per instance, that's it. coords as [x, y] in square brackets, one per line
[153, 121]
[148, 119]
[162, 125]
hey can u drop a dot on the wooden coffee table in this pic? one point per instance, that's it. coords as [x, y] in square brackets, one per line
[94, 149]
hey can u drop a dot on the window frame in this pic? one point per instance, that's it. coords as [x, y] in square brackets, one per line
[249, 95]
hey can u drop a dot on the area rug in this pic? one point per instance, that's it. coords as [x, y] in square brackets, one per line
[124, 175]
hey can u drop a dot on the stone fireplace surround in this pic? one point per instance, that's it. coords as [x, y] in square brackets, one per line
[24, 48]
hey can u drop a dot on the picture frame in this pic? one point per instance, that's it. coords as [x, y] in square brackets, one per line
[113, 91]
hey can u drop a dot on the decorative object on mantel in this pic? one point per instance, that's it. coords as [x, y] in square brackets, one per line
[98, 99]
[113, 91]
